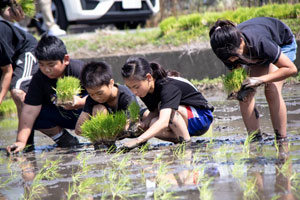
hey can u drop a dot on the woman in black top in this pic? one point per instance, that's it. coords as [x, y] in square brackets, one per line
[177, 109]
[266, 47]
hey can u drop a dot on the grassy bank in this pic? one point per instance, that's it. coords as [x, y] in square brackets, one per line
[174, 32]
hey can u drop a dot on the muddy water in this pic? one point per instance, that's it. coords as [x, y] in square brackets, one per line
[215, 166]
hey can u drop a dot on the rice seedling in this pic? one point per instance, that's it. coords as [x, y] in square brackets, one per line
[104, 128]
[8, 106]
[28, 7]
[80, 187]
[295, 184]
[49, 171]
[134, 110]
[250, 138]
[4, 181]
[237, 170]
[285, 169]
[205, 192]
[249, 188]
[233, 81]
[162, 185]
[180, 151]
[66, 88]
[117, 181]
[158, 158]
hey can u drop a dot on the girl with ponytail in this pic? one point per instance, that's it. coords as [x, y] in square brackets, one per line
[266, 48]
[177, 109]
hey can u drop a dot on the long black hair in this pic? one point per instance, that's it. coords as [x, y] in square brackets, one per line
[225, 40]
[138, 67]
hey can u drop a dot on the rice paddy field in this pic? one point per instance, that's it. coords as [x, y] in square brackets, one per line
[222, 164]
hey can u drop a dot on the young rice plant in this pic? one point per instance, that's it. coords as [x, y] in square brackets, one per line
[104, 127]
[233, 81]
[134, 110]
[66, 88]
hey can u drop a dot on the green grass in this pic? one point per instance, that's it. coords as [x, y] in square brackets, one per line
[66, 88]
[179, 30]
[234, 79]
[8, 106]
[102, 128]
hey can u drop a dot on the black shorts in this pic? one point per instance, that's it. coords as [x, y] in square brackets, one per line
[24, 67]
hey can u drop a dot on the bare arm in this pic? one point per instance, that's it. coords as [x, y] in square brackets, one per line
[146, 122]
[286, 69]
[27, 119]
[82, 118]
[158, 126]
[7, 72]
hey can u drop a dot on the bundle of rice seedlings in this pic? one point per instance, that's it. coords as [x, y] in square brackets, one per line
[233, 81]
[134, 111]
[104, 128]
[28, 6]
[8, 106]
[66, 88]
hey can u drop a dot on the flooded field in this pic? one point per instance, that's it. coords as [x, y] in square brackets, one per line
[220, 165]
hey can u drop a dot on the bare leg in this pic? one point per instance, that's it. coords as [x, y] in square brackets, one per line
[51, 131]
[249, 117]
[277, 105]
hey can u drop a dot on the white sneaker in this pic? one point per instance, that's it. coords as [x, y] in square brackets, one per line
[56, 31]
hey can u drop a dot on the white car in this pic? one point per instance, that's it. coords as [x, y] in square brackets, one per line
[122, 13]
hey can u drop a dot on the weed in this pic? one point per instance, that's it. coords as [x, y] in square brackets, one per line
[234, 79]
[66, 88]
[103, 128]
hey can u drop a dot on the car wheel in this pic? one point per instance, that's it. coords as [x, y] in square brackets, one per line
[59, 14]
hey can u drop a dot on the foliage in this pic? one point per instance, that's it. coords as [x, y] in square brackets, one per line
[134, 110]
[8, 106]
[28, 7]
[104, 127]
[66, 88]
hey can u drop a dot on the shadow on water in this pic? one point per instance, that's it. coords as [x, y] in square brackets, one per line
[219, 165]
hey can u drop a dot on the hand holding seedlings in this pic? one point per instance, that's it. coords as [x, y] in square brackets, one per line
[76, 104]
[252, 82]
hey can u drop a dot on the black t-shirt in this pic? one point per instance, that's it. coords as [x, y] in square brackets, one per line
[13, 42]
[125, 97]
[171, 92]
[41, 87]
[265, 36]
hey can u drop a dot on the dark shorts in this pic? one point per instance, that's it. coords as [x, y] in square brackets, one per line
[199, 120]
[52, 116]
[24, 67]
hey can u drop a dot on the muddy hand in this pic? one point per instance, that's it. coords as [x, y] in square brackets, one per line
[15, 148]
[252, 82]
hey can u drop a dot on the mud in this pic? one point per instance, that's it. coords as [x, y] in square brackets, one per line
[219, 160]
